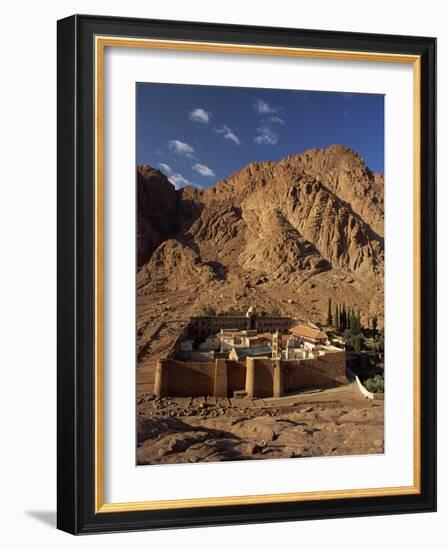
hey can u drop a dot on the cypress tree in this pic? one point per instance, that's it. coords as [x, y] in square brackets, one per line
[374, 324]
[353, 323]
[337, 319]
[329, 313]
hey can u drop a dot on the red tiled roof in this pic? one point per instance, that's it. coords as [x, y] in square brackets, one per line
[308, 332]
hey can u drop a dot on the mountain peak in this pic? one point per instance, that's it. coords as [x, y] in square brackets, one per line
[297, 231]
[335, 155]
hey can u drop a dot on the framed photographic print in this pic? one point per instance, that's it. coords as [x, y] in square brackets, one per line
[246, 274]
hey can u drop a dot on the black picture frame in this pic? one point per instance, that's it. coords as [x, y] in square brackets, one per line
[76, 255]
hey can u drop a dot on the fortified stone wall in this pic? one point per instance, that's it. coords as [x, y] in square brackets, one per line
[177, 378]
[236, 376]
[259, 377]
[264, 378]
[326, 371]
[195, 356]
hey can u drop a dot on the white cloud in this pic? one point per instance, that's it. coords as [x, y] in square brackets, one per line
[203, 170]
[200, 115]
[266, 136]
[166, 168]
[181, 147]
[276, 120]
[178, 180]
[263, 108]
[229, 134]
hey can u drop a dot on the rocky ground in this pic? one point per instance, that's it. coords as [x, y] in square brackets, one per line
[326, 423]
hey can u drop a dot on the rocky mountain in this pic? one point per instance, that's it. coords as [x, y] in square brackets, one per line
[285, 234]
[156, 211]
[343, 171]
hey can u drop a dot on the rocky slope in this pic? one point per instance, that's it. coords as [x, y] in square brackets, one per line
[175, 430]
[343, 171]
[156, 211]
[285, 234]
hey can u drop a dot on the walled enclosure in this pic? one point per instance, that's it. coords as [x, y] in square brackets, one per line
[257, 376]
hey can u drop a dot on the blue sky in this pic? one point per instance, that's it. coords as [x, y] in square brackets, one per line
[198, 135]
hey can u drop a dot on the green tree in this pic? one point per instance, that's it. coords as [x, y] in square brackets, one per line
[375, 384]
[379, 343]
[275, 312]
[374, 325]
[357, 342]
[329, 314]
[343, 318]
[355, 322]
[337, 318]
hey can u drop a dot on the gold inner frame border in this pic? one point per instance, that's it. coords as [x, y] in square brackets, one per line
[100, 44]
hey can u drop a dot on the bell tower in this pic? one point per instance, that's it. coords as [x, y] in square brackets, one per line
[276, 354]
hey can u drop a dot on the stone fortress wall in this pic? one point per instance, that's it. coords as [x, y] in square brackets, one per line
[177, 378]
[258, 377]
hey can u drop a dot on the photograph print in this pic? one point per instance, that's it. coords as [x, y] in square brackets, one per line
[259, 273]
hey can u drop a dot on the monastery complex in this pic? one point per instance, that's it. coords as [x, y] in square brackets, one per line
[249, 356]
